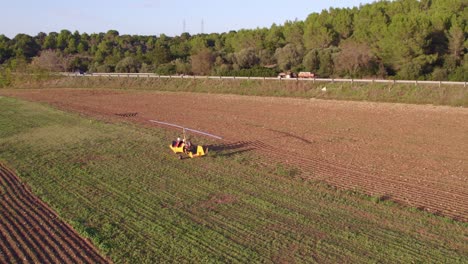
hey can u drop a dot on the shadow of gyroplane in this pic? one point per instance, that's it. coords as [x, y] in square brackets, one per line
[232, 148]
[290, 135]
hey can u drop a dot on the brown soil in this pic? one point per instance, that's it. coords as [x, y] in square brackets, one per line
[30, 232]
[416, 155]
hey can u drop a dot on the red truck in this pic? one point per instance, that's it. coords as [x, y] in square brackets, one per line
[306, 75]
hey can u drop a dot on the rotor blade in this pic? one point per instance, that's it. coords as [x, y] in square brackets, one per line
[203, 133]
[188, 129]
[167, 124]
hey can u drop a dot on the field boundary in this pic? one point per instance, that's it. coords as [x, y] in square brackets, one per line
[328, 80]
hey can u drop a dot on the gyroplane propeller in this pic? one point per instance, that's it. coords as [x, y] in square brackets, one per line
[184, 145]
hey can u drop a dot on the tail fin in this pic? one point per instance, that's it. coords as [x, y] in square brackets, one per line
[200, 151]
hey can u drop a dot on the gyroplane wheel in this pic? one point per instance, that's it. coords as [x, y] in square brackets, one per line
[180, 157]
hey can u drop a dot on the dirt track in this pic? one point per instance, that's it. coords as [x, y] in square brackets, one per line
[30, 232]
[413, 154]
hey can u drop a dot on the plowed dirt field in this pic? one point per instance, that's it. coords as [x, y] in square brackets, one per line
[416, 155]
[30, 232]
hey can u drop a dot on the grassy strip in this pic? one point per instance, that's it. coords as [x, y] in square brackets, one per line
[119, 185]
[399, 93]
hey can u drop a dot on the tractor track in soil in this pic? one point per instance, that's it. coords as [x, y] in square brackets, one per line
[383, 185]
[411, 154]
[31, 232]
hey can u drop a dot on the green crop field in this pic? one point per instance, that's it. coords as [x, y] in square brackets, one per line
[120, 185]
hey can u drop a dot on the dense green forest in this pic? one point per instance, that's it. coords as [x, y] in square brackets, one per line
[402, 39]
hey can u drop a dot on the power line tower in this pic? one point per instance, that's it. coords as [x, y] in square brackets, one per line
[202, 26]
[183, 27]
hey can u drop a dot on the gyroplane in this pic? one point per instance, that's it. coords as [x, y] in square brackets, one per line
[184, 145]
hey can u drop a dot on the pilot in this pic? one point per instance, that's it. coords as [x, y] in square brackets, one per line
[188, 145]
[178, 142]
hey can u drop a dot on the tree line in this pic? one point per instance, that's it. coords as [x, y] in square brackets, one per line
[403, 39]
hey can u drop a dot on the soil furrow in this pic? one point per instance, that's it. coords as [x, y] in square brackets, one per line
[64, 232]
[43, 228]
[8, 242]
[49, 235]
[15, 229]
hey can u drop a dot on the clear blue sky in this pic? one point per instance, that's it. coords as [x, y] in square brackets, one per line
[153, 17]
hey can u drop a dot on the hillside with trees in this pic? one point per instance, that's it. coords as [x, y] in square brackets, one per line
[403, 39]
